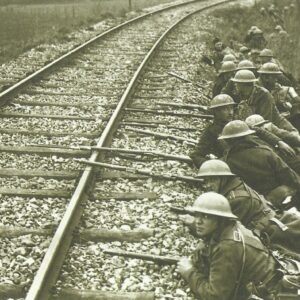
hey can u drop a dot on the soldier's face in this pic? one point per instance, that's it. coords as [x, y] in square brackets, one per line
[212, 184]
[205, 224]
[264, 59]
[224, 113]
[244, 88]
[268, 80]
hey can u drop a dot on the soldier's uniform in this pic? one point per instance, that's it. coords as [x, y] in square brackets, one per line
[231, 90]
[261, 102]
[292, 138]
[271, 135]
[260, 167]
[219, 84]
[255, 214]
[217, 265]
[208, 144]
[285, 97]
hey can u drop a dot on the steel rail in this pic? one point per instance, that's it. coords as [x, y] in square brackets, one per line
[53, 259]
[22, 83]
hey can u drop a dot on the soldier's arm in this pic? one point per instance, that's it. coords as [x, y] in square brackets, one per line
[225, 266]
[267, 136]
[267, 108]
[284, 174]
[205, 146]
[281, 121]
[293, 95]
[291, 138]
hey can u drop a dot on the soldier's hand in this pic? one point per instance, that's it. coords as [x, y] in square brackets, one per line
[184, 267]
[285, 149]
[186, 219]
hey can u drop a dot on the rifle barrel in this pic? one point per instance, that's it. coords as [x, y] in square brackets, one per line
[164, 260]
[178, 210]
[140, 171]
[184, 158]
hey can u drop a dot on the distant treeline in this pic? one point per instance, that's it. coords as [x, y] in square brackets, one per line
[11, 2]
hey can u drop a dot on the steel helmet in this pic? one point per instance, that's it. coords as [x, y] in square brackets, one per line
[221, 100]
[255, 120]
[253, 28]
[212, 203]
[257, 31]
[254, 52]
[244, 76]
[227, 66]
[244, 49]
[278, 27]
[245, 65]
[266, 53]
[269, 68]
[214, 167]
[283, 32]
[234, 129]
[262, 10]
[229, 57]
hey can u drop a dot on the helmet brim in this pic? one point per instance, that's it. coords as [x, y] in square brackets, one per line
[270, 73]
[246, 68]
[222, 105]
[207, 174]
[244, 81]
[227, 71]
[192, 210]
[260, 123]
[232, 136]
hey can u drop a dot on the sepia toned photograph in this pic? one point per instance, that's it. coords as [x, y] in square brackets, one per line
[150, 150]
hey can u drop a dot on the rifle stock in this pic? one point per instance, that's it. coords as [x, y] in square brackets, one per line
[141, 171]
[161, 260]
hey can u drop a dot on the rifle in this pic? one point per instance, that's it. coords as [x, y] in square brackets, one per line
[186, 106]
[161, 260]
[141, 172]
[179, 210]
[156, 111]
[186, 80]
[162, 135]
[183, 158]
[189, 81]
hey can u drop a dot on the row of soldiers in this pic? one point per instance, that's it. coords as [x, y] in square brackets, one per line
[249, 159]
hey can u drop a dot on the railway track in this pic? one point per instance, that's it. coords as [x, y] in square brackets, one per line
[82, 98]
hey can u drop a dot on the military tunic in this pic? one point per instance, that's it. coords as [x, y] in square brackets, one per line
[292, 138]
[255, 214]
[285, 97]
[217, 265]
[259, 166]
[261, 102]
[209, 143]
[219, 84]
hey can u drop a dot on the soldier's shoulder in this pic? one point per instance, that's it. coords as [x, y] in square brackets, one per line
[212, 128]
[263, 148]
[261, 90]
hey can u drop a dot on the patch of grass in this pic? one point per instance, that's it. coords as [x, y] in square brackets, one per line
[26, 23]
[235, 21]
